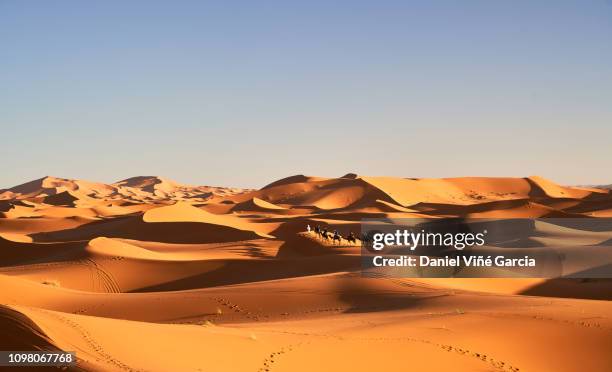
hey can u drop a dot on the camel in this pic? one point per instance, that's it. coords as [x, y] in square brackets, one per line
[351, 238]
[338, 238]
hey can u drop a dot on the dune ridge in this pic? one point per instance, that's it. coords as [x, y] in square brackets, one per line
[137, 189]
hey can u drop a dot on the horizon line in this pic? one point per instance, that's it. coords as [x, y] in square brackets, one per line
[282, 178]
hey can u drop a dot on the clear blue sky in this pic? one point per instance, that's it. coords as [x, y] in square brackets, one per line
[243, 93]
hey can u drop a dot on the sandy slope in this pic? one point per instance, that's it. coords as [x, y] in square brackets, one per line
[148, 274]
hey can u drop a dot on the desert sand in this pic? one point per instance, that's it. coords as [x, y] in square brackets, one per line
[147, 274]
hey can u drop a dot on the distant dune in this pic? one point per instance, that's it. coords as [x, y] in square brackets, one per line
[135, 189]
[150, 274]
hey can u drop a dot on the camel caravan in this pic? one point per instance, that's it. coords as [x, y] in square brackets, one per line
[325, 235]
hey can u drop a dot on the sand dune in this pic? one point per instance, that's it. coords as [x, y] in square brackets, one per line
[21, 333]
[54, 185]
[553, 190]
[357, 190]
[198, 275]
[65, 198]
[144, 189]
[408, 335]
[19, 249]
[258, 205]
